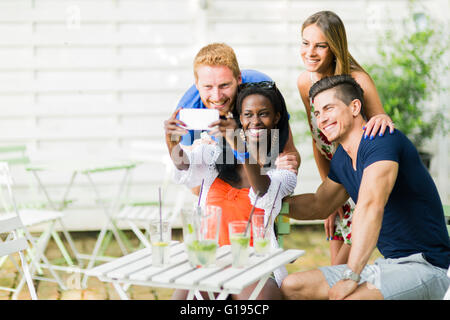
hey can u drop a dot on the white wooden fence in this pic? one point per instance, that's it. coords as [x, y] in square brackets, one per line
[91, 77]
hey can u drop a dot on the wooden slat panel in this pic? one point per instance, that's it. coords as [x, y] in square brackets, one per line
[255, 273]
[180, 260]
[118, 263]
[99, 10]
[197, 275]
[124, 272]
[70, 68]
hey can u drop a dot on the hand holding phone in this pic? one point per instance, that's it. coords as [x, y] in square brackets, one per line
[198, 119]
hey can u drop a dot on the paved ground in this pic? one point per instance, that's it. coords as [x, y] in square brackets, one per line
[309, 238]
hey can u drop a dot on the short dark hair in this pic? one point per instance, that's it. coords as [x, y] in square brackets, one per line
[346, 89]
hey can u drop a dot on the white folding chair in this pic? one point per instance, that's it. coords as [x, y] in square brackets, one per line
[136, 214]
[30, 217]
[12, 226]
[42, 212]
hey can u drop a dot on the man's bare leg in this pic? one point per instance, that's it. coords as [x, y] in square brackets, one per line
[308, 285]
[339, 252]
[312, 285]
[366, 291]
[270, 291]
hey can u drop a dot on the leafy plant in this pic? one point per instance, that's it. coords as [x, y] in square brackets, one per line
[407, 76]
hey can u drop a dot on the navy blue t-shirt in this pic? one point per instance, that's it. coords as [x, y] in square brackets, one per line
[413, 220]
[191, 100]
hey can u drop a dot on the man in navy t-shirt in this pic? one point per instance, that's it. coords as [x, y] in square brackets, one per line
[398, 209]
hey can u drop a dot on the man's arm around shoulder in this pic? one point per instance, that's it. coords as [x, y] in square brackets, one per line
[310, 206]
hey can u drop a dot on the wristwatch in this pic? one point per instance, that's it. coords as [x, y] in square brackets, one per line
[348, 274]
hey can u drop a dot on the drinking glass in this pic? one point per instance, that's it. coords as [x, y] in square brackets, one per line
[261, 242]
[201, 234]
[160, 237]
[239, 243]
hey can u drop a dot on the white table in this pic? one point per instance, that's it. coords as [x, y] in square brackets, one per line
[136, 269]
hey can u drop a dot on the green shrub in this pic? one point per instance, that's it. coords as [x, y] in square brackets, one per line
[406, 75]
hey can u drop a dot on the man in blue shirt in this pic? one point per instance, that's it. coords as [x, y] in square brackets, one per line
[398, 209]
[192, 100]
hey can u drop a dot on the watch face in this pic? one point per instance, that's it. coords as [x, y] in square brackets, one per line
[349, 274]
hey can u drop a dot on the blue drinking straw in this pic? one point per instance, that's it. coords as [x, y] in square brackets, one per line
[200, 195]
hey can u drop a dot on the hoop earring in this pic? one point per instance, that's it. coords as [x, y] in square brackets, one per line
[275, 135]
[242, 135]
[274, 139]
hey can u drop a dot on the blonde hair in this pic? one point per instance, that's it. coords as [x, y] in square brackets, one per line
[217, 54]
[334, 30]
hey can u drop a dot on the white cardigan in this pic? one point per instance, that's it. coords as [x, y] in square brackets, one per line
[202, 159]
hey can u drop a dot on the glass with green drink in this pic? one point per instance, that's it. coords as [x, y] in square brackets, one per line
[240, 240]
[201, 234]
[261, 241]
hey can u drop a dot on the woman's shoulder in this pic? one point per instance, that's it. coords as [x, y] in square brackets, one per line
[304, 81]
[363, 78]
[303, 85]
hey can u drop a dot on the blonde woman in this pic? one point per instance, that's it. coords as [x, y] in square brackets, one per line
[325, 53]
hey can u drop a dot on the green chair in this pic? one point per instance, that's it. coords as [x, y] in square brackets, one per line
[447, 216]
[282, 224]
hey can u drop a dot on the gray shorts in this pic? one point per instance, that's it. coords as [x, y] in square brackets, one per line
[408, 278]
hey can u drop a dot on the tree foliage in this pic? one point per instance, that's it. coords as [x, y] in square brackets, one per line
[407, 76]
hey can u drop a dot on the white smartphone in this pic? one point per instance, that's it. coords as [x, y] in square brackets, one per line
[198, 119]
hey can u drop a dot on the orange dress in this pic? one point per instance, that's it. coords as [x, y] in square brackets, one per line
[235, 205]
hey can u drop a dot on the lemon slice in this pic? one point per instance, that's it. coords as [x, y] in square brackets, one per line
[261, 243]
[160, 244]
[241, 240]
